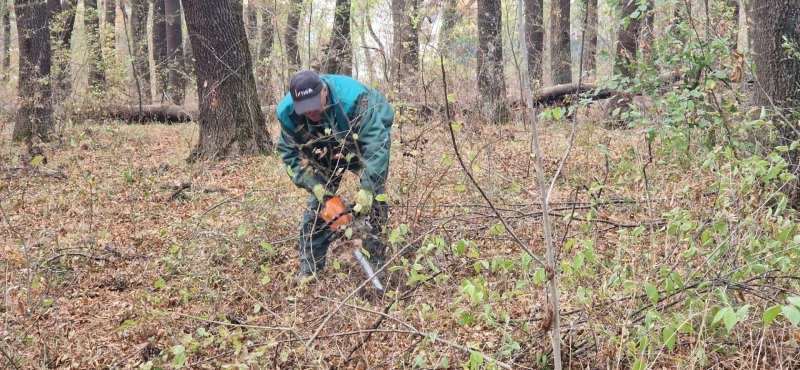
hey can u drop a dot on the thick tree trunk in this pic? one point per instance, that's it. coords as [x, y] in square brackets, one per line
[491, 82]
[628, 38]
[339, 55]
[264, 62]
[35, 113]
[405, 48]
[292, 26]
[534, 36]
[91, 22]
[160, 49]
[590, 49]
[6, 20]
[231, 121]
[560, 59]
[139, 10]
[176, 75]
[251, 26]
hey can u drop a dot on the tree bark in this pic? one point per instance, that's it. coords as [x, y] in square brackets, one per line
[91, 22]
[6, 44]
[231, 122]
[139, 10]
[160, 49]
[534, 35]
[264, 62]
[176, 74]
[590, 49]
[292, 26]
[628, 38]
[109, 34]
[251, 26]
[405, 49]
[560, 55]
[35, 113]
[61, 22]
[339, 56]
[491, 82]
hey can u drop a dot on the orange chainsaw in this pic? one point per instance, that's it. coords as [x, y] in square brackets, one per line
[338, 215]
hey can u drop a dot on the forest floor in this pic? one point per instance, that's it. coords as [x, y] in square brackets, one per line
[108, 263]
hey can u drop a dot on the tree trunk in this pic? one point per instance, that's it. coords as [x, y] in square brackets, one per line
[251, 26]
[264, 62]
[292, 26]
[560, 56]
[534, 35]
[646, 34]
[91, 22]
[405, 49]
[590, 49]
[176, 74]
[139, 10]
[6, 44]
[491, 82]
[109, 35]
[339, 55]
[449, 21]
[628, 38]
[231, 121]
[61, 23]
[160, 49]
[35, 113]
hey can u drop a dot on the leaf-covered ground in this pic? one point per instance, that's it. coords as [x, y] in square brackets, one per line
[111, 262]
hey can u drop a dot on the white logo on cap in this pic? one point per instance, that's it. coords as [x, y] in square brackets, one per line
[304, 92]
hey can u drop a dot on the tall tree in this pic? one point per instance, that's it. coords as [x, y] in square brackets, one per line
[231, 121]
[292, 26]
[560, 59]
[35, 113]
[628, 37]
[91, 21]
[176, 74]
[160, 48]
[264, 63]
[139, 10]
[491, 84]
[405, 49]
[449, 21]
[251, 26]
[6, 44]
[339, 55]
[534, 36]
[61, 20]
[109, 32]
[590, 49]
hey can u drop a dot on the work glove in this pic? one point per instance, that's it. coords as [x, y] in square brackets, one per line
[321, 193]
[363, 202]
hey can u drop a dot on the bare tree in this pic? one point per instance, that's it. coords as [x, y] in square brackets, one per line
[251, 26]
[91, 21]
[61, 20]
[264, 65]
[5, 18]
[160, 49]
[231, 121]
[449, 21]
[139, 10]
[339, 55]
[35, 113]
[590, 49]
[534, 36]
[405, 49]
[491, 82]
[560, 59]
[176, 73]
[292, 25]
[628, 36]
[109, 33]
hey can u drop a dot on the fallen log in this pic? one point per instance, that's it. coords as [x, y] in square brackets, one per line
[153, 113]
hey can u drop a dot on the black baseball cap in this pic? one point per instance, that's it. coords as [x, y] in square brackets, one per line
[305, 87]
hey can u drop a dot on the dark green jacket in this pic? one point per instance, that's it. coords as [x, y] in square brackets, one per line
[354, 134]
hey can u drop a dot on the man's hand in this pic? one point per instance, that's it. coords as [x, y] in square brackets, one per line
[320, 192]
[363, 202]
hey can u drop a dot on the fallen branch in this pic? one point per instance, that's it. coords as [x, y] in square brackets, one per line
[96, 258]
[12, 172]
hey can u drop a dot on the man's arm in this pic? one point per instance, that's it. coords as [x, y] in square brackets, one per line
[374, 121]
[290, 155]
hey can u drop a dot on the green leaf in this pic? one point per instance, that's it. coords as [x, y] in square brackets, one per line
[652, 292]
[73, 143]
[446, 159]
[461, 188]
[771, 313]
[290, 171]
[451, 98]
[355, 136]
[497, 229]
[381, 197]
[445, 362]
[160, 283]
[257, 308]
[240, 231]
[730, 319]
[515, 186]
[668, 336]
[639, 364]
[47, 303]
[791, 313]
[268, 247]
[336, 265]
[180, 356]
[348, 233]
[794, 300]
[36, 160]
[455, 126]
